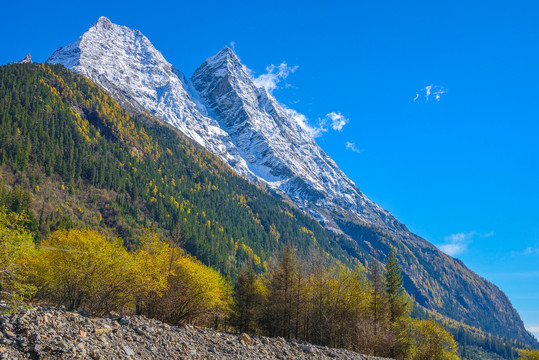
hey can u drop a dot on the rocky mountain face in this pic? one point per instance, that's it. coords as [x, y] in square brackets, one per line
[124, 62]
[25, 60]
[222, 109]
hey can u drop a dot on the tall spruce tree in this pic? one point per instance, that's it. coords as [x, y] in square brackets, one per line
[281, 309]
[248, 300]
[397, 300]
[398, 309]
[378, 310]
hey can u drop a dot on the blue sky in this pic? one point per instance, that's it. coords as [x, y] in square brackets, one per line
[461, 170]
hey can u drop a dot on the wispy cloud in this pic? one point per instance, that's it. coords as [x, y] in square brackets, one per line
[426, 93]
[534, 329]
[531, 251]
[271, 80]
[233, 45]
[352, 146]
[337, 120]
[486, 235]
[301, 120]
[332, 121]
[274, 75]
[456, 244]
[528, 251]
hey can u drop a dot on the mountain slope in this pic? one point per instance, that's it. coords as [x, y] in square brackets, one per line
[85, 163]
[223, 110]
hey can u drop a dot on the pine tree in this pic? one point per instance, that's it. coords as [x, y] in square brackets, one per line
[398, 308]
[248, 300]
[378, 309]
[378, 293]
[396, 297]
[281, 306]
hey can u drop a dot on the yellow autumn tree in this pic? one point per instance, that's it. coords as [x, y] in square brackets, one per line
[432, 342]
[153, 264]
[529, 354]
[81, 269]
[195, 294]
[15, 244]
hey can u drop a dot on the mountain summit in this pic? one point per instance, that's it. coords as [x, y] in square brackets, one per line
[26, 60]
[277, 149]
[125, 63]
[222, 109]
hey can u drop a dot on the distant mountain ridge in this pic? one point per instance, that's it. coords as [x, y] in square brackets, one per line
[222, 109]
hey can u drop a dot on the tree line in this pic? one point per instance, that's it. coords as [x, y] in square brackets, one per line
[333, 305]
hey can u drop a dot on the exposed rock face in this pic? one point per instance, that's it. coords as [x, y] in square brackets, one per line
[224, 112]
[48, 333]
[278, 150]
[222, 109]
[26, 60]
[124, 62]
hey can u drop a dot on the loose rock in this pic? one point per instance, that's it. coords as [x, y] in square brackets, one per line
[50, 333]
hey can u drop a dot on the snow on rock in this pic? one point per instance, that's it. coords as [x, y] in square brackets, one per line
[276, 147]
[26, 60]
[124, 62]
[223, 110]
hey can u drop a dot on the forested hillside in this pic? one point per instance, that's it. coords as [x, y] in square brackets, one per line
[69, 149]
[71, 158]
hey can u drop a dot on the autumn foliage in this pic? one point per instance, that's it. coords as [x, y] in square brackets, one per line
[83, 270]
[334, 305]
[309, 299]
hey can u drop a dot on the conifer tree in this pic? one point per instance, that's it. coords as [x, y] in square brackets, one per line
[396, 297]
[248, 300]
[281, 306]
[378, 294]
[398, 308]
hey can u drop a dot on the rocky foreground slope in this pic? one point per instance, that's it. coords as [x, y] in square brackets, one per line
[49, 333]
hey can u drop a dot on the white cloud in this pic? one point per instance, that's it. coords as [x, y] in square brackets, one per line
[531, 251]
[352, 146]
[429, 90]
[233, 45]
[275, 74]
[337, 120]
[456, 244]
[271, 81]
[302, 121]
[333, 120]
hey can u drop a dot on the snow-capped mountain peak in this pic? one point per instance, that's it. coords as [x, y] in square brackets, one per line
[26, 60]
[222, 109]
[125, 63]
[277, 149]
